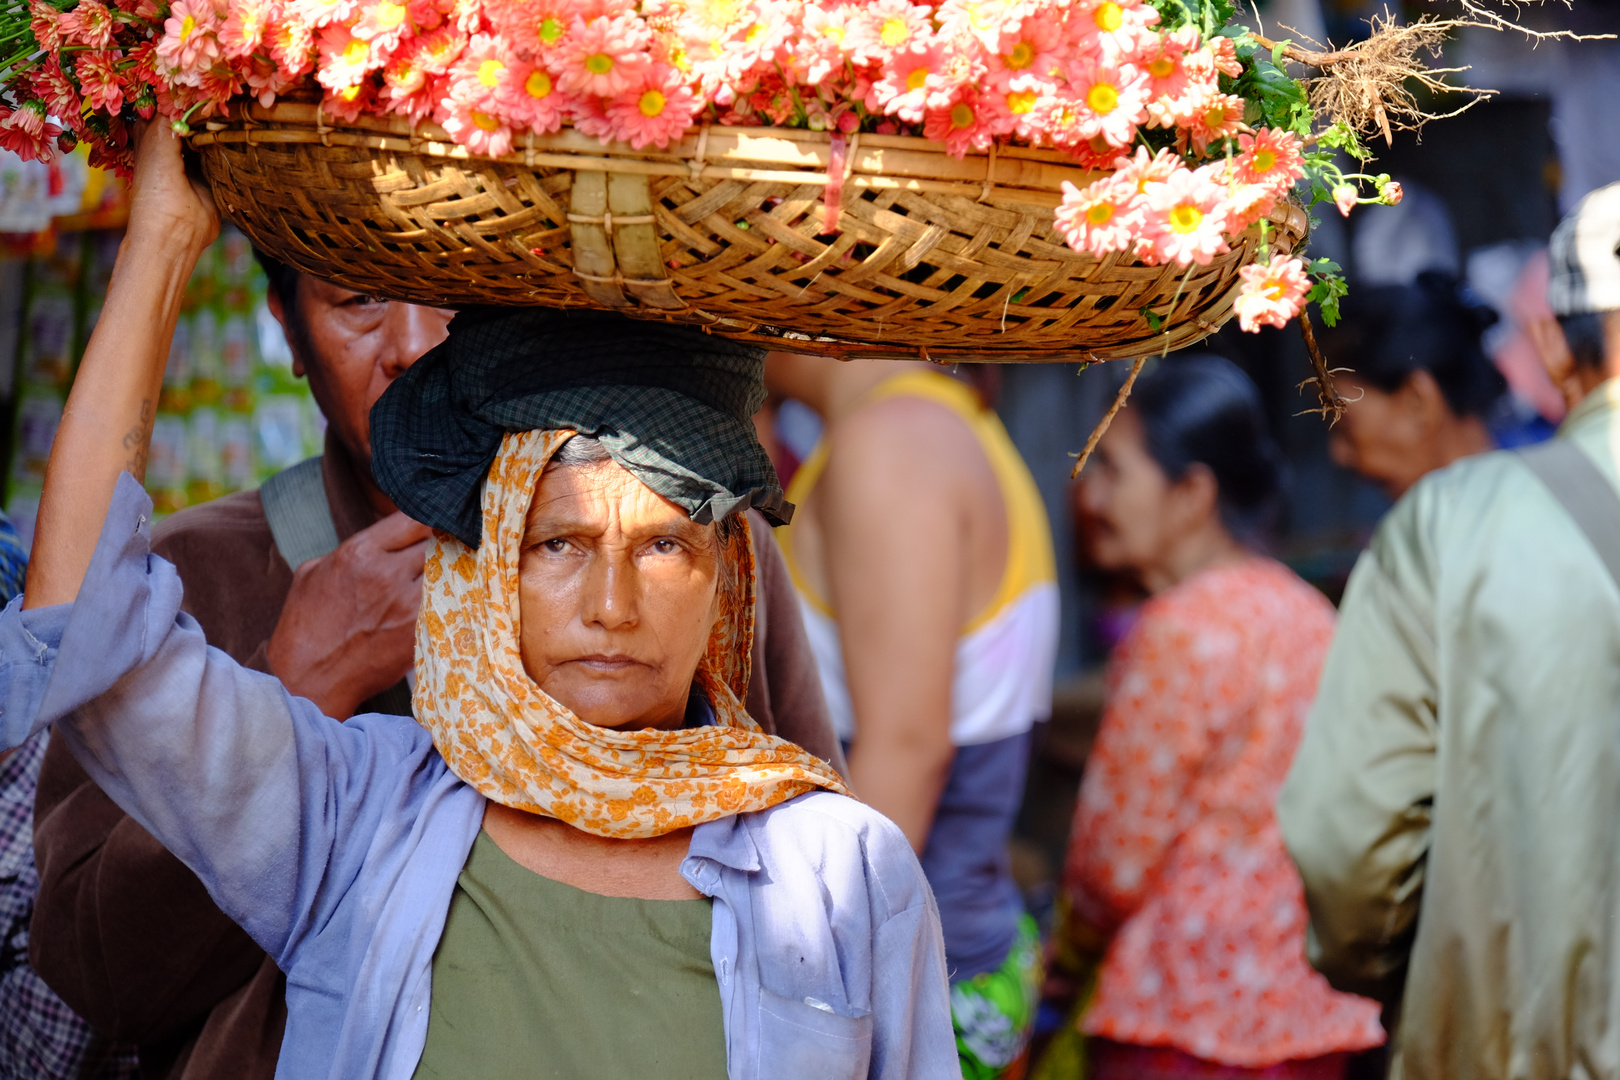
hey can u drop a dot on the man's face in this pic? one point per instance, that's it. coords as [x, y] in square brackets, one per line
[351, 346]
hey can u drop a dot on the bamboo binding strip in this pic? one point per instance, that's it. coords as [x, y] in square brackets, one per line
[932, 257]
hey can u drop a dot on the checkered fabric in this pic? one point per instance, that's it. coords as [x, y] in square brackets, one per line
[672, 405]
[13, 561]
[40, 1037]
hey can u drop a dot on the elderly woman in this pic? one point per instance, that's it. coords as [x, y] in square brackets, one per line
[586, 859]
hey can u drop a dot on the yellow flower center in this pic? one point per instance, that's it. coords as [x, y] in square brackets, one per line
[961, 116]
[915, 80]
[187, 26]
[1022, 55]
[356, 51]
[1272, 289]
[1185, 218]
[1264, 161]
[1109, 16]
[389, 15]
[599, 63]
[895, 32]
[1215, 118]
[651, 103]
[754, 33]
[551, 28]
[538, 85]
[349, 93]
[1102, 98]
[979, 18]
[485, 121]
[1100, 213]
[833, 31]
[1162, 68]
[489, 72]
[1020, 102]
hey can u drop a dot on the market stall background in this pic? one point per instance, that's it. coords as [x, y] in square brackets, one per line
[230, 414]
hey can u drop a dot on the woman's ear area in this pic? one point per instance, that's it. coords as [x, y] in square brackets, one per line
[1422, 396]
[1197, 494]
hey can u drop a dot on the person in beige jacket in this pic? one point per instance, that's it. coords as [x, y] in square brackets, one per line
[1454, 808]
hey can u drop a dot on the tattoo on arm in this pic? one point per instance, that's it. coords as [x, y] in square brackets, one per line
[136, 441]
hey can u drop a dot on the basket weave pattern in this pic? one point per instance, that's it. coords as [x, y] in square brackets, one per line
[932, 257]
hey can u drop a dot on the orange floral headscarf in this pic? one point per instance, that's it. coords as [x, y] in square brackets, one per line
[506, 737]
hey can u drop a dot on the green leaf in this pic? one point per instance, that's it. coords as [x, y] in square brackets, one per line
[1277, 50]
[1154, 319]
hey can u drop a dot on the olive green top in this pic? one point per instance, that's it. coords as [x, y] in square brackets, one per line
[534, 980]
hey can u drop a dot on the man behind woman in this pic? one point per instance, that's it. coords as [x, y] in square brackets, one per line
[1177, 871]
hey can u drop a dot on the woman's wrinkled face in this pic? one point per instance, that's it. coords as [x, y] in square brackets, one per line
[1128, 507]
[1383, 436]
[618, 592]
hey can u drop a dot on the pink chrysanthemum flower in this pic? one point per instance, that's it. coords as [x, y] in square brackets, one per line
[763, 36]
[263, 78]
[479, 76]
[656, 113]
[824, 45]
[53, 87]
[910, 77]
[190, 42]
[1271, 295]
[589, 117]
[384, 23]
[985, 21]
[1183, 219]
[1035, 51]
[1120, 29]
[1020, 118]
[1214, 118]
[1100, 218]
[1271, 158]
[434, 53]
[320, 13]
[1345, 197]
[27, 134]
[1111, 100]
[89, 24]
[1247, 204]
[292, 46]
[46, 23]
[344, 60]
[963, 125]
[887, 26]
[1226, 57]
[605, 57]
[246, 24]
[350, 103]
[99, 80]
[480, 131]
[534, 27]
[530, 98]
[1168, 77]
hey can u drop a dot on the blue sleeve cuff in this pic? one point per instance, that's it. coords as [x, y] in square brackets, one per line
[126, 605]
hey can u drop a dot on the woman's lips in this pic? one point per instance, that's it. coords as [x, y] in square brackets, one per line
[607, 664]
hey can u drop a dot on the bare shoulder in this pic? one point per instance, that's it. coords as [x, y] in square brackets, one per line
[905, 450]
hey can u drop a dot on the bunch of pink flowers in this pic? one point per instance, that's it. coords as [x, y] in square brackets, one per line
[1092, 78]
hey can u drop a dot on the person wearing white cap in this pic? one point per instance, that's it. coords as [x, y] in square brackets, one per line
[1454, 808]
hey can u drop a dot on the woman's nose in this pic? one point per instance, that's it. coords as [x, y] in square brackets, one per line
[609, 597]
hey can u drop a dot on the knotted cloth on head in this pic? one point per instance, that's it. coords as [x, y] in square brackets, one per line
[673, 405]
[494, 727]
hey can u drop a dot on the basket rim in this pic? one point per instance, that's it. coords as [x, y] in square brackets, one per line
[1004, 173]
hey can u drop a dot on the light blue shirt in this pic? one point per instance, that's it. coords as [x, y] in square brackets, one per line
[337, 846]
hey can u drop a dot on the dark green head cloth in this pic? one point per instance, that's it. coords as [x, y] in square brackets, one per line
[672, 405]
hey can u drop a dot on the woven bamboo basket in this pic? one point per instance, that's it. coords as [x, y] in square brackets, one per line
[922, 255]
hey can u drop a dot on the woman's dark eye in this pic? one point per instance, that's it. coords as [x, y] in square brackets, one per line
[555, 547]
[666, 547]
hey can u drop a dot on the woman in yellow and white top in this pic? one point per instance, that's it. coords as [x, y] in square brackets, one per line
[923, 560]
